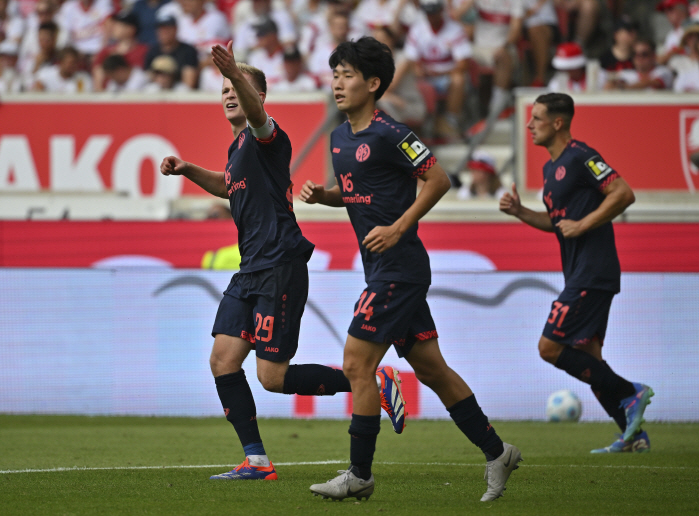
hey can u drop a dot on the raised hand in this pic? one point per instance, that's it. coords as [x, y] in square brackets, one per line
[225, 60]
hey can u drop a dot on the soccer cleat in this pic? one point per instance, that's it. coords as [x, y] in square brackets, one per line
[346, 485]
[391, 396]
[639, 444]
[247, 471]
[497, 471]
[634, 406]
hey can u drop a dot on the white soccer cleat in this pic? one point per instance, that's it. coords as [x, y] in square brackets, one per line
[346, 485]
[498, 471]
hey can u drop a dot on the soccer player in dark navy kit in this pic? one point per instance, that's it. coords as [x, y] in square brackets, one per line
[583, 194]
[377, 162]
[261, 308]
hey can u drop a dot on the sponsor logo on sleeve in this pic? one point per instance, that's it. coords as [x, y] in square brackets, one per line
[413, 149]
[598, 167]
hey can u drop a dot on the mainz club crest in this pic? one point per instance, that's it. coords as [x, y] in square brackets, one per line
[363, 152]
[241, 140]
[689, 147]
[560, 173]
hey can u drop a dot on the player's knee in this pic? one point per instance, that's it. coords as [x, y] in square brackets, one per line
[549, 350]
[272, 380]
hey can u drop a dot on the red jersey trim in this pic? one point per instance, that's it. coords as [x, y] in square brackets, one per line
[271, 139]
[425, 167]
[606, 182]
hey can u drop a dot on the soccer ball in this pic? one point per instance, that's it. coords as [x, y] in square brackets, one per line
[563, 406]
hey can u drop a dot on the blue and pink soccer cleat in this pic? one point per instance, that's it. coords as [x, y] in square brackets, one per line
[247, 471]
[634, 407]
[639, 444]
[391, 397]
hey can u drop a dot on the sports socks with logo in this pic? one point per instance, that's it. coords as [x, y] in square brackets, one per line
[315, 380]
[597, 374]
[471, 420]
[239, 406]
[363, 430]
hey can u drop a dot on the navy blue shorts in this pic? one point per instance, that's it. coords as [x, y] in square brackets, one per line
[393, 313]
[265, 308]
[578, 316]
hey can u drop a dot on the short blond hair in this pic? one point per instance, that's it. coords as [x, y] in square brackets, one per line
[258, 76]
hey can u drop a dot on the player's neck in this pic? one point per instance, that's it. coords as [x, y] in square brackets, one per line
[558, 145]
[362, 117]
[238, 127]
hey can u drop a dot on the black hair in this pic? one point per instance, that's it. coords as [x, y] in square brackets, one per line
[115, 62]
[49, 25]
[647, 42]
[558, 104]
[369, 57]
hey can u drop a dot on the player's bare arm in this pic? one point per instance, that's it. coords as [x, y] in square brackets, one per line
[250, 99]
[618, 197]
[312, 193]
[211, 181]
[382, 238]
[511, 204]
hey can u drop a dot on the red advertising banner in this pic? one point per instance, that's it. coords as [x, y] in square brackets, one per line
[452, 246]
[73, 146]
[652, 146]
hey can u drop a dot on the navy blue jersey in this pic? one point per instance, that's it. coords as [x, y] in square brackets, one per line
[377, 170]
[573, 187]
[259, 192]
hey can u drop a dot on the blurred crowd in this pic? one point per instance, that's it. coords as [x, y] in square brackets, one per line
[457, 60]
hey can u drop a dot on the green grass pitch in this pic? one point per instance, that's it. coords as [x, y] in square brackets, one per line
[62, 465]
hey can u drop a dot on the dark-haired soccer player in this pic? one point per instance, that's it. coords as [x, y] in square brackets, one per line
[583, 194]
[377, 162]
[261, 308]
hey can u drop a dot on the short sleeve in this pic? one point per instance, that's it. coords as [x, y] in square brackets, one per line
[407, 152]
[595, 171]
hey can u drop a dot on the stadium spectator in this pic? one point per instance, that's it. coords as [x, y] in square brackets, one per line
[397, 15]
[436, 50]
[45, 11]
[485, 183]
[570, 64]
[210, 78]
[687, 65]
[403, 99]
[184, 54]
[65, 76]
[122, 77]
[497, 33]
[124, 32]
[269, 54]
[46, 55]
[541, 29]
[618, 56]
[584, 16]
[317, 29]
[677, 13]
[84, 22]
[11, 24]
[317, 62]
[10, 80]
[202, 26]
[146, 13]
[295, 79]
[164, 74]
[245, 39]
[646, 74]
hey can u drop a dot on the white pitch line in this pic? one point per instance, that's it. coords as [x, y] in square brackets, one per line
[325, 462]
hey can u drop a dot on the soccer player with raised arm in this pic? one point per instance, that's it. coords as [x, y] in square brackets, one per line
[582, 195]
[377, 162]
[261, 308]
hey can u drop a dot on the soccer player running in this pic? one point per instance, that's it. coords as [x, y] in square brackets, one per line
[261, 308]
[377, 162]
[582, 194]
